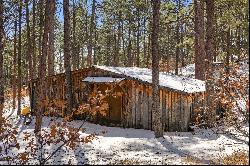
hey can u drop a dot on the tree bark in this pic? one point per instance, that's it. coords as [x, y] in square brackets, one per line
[74, 42]
[33, 74]
[19, 80]
[228, 46]
[51, 40]
[67, 63]
[177, 49]
[1, 60]
[41, 23]
[29, 46]
[42, 71]
[157, 119]
[138, 39]
[210, 54]
[199, 40]
[129, 64]
[14, 67]
[89, 57]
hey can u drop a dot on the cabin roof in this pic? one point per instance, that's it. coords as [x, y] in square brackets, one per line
[167, 80]
[102, 79]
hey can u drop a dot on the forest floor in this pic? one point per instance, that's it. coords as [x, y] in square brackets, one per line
[114, 145]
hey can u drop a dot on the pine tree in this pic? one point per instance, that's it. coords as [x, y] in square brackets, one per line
[157, 120]
[67, 63]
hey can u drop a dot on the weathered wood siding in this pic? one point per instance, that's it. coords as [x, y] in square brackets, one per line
[136, 112]
[175, 108]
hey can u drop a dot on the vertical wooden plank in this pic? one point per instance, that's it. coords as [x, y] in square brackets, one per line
[133, 104]
[167, 111]
[145, 107]
[142, 106]
[149, 108]
[164, 110]
[171, 112]
[182, 123]
[138, 106]
[186, 113]
[174, 125]
[161, 94]
[130, 94]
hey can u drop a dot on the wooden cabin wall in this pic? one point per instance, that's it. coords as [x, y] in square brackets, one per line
[176, 108]
[55, 90]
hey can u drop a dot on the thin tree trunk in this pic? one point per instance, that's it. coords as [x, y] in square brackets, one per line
[149, 50]
[74, 42]
[144, 42]
[177, 50]
[199, 40]
[29, 46]
[89, 57]
[14, 67]
[33, 74]
[67, 63]
[157, 119]
[138, 39]
[129, 45]
[41, 20]
[19, 80]
[118, 42]
[51, 28]
[1, 61]
[228, 46]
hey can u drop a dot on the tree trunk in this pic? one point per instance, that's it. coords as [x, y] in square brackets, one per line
[29, 46]
[210, 53]
[144, 42]
[67, 63]
[129, 45]
[118, 43]
[74, 42]
[33, 74]
[177, 49]
[157, 119]
[42, 71]
[228, 49]
[41, 20]
[51, 28]
[19, 80]
[138, 39]
[199, 39]
[89, 58]
[14, 68]
[1, 60]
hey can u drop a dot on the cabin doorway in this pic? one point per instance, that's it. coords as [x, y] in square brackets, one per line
[113, 96]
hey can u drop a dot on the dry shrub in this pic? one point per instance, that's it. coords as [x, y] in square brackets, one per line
[237, 158]
[190, 160]
[126, 162]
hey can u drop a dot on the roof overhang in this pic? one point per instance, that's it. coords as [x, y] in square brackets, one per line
[102, 79]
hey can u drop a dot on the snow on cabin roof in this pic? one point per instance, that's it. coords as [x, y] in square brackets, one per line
[102, 79]
[180, 83]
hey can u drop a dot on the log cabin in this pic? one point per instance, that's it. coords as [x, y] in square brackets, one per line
[130, 103]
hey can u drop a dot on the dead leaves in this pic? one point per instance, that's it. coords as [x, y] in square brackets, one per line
[23, 157]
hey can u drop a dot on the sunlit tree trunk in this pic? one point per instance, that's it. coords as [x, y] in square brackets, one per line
[157, 119]
[19, 80]
[210, 53]
[67, 63]
[1, 60]
[199, 40]
[14, 67]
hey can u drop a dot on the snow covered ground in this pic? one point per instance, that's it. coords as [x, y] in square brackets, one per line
[115, 145]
